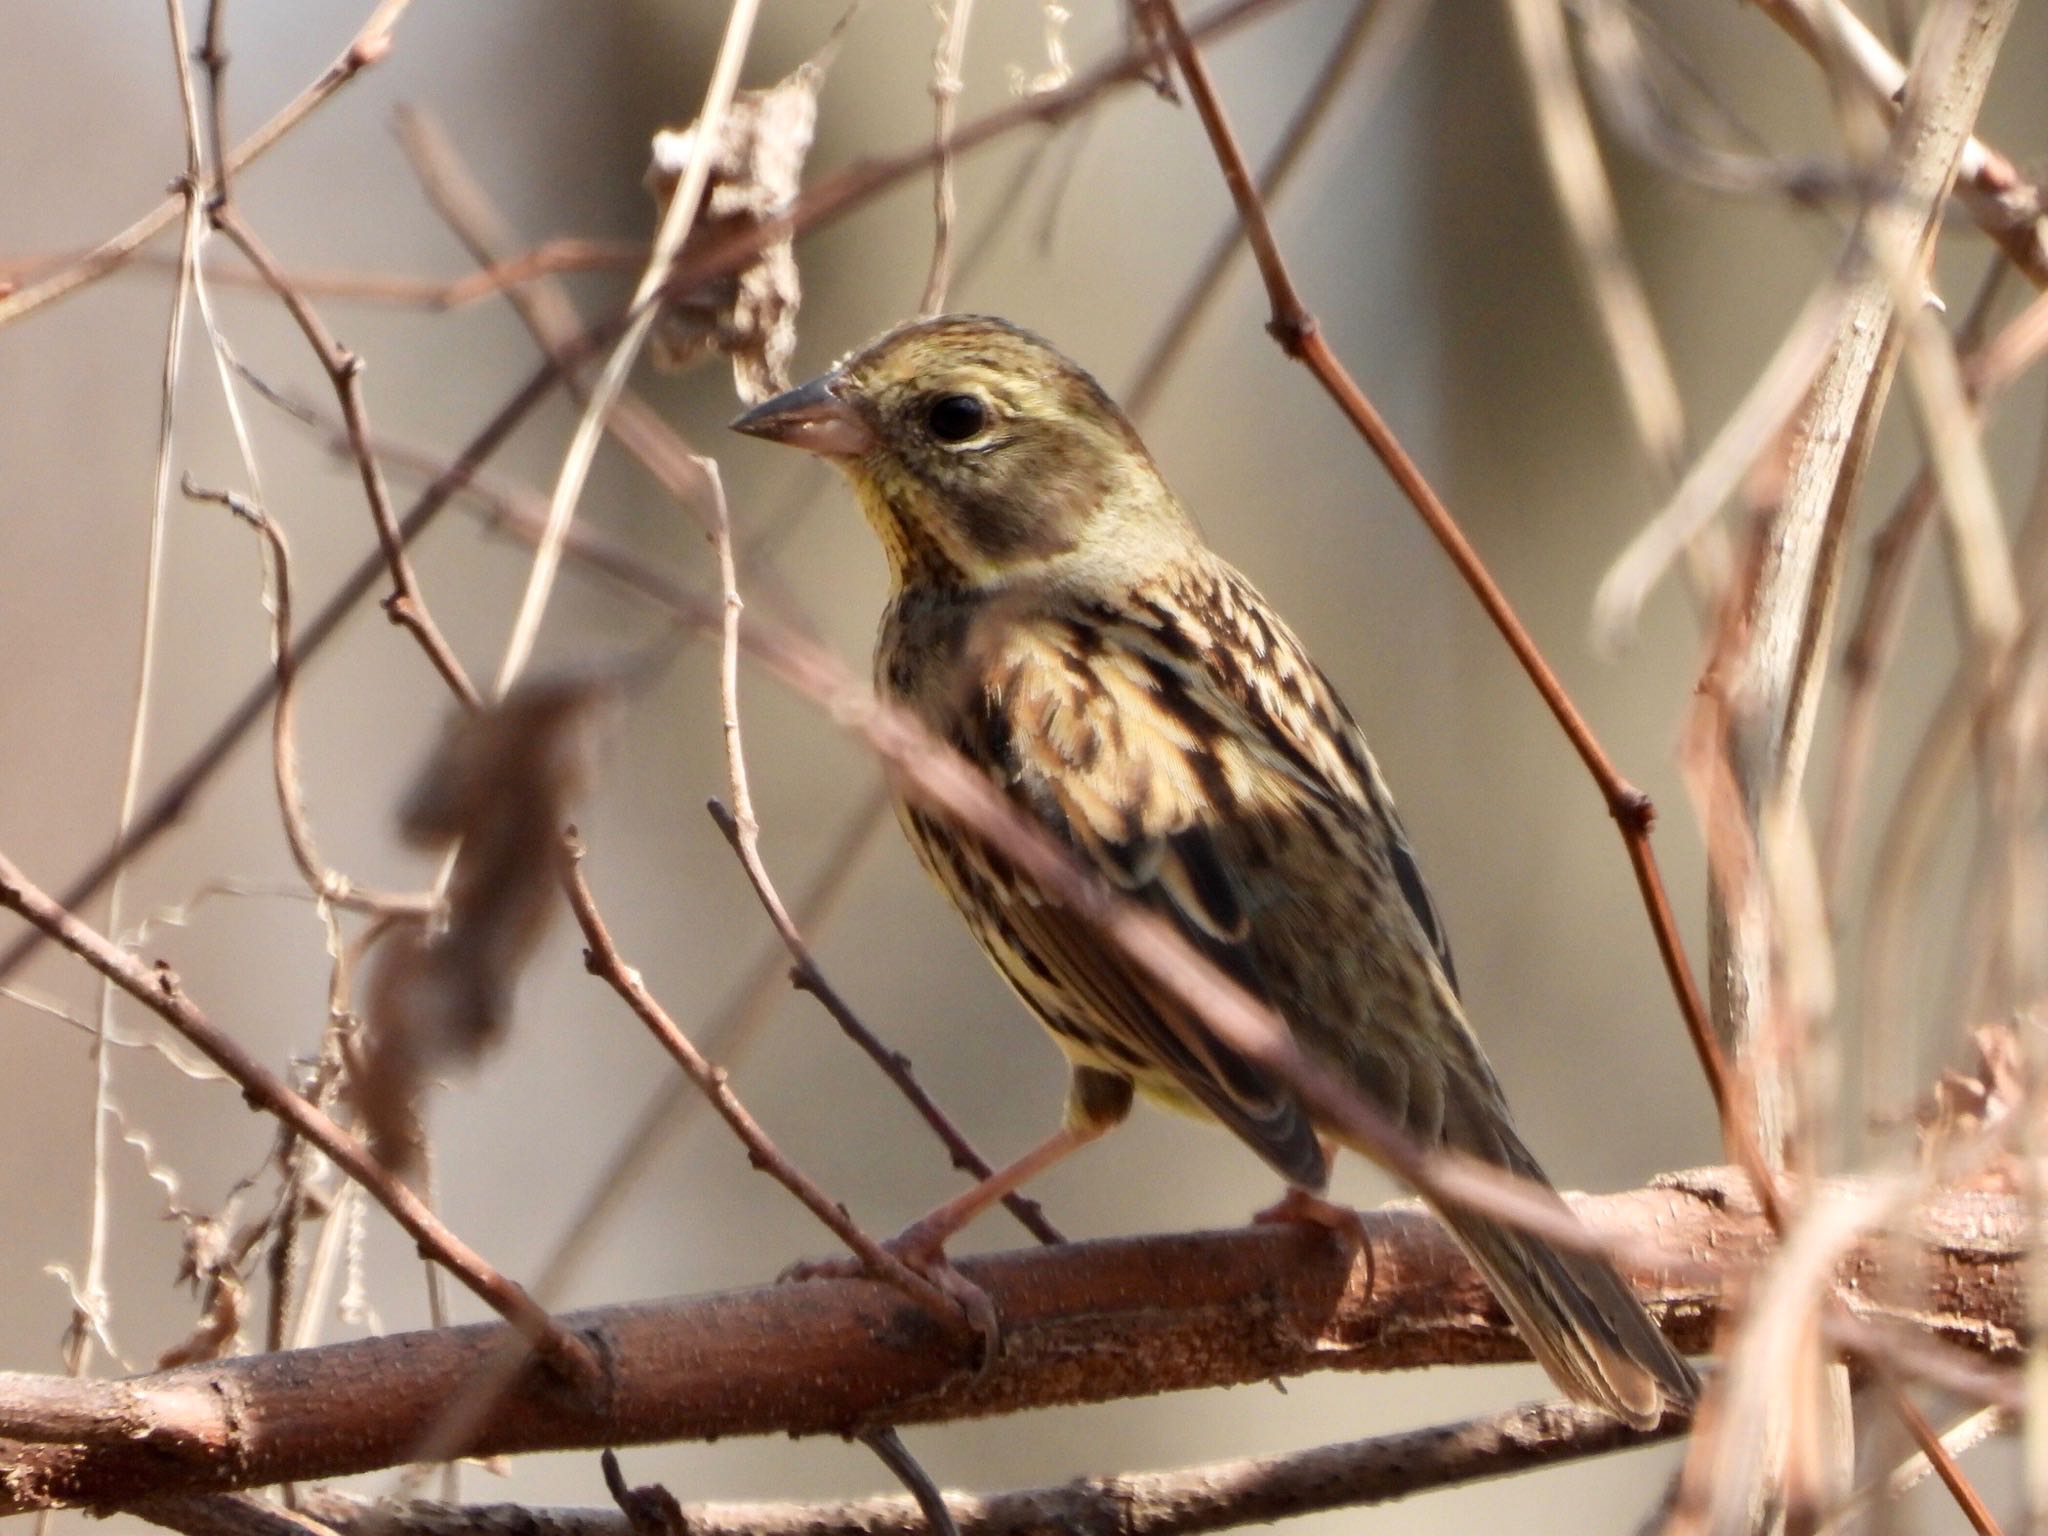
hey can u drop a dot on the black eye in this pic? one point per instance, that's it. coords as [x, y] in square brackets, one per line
[955, 418]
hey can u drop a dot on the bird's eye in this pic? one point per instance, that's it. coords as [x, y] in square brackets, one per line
[955, 418]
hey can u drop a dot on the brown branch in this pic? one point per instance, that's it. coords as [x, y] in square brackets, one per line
[806, 976]
[1217, 1496]
[158, 990]
[1083, 1322]
[550, 258]
[406, 605]
[1372, 42]
[604, 961]
[371, 42]
[1296, 330]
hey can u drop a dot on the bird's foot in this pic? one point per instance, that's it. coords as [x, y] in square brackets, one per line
[1299, 1208]
[922, 1250]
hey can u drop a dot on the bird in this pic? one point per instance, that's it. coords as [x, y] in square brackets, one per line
[1056, 617]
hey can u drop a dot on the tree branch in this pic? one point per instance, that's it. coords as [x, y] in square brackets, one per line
[1082, 1323]
[1216, 1496]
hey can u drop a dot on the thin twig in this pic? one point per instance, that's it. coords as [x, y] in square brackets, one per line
[326, 883]
[90, 1303]
[727, 1037]
[945, 88]
[157, 988]
[406, 605]
[2006, 206]
[933, 1515]
[370, 43]
[1880, 618]
[806, 975]
[1216, 1496]
[605, 962]
[1371, 46]
[1578, 179]
[642, 311]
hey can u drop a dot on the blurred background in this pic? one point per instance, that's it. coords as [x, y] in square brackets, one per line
[1423, 234]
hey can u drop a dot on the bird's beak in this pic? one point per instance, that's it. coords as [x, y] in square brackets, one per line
[813, 417]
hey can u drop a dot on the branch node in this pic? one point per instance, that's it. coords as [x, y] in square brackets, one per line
[1634, 810]
[1293, 330]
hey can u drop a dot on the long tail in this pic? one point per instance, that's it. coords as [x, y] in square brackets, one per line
[1574, 1310]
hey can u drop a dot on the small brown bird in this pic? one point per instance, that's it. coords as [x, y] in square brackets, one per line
[1058, 619]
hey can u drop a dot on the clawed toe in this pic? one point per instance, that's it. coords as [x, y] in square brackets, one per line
[1300, 1208]
[822, 1269]
[924, 1255]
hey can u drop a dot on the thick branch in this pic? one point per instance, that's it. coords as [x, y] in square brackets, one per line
[1082, 1323]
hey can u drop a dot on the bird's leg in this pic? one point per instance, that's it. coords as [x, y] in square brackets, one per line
[1096, 1101]
[924, 1240]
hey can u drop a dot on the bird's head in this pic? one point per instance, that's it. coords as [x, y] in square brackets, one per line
[981, 456]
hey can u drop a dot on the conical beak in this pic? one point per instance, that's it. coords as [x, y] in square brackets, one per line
[812, 417]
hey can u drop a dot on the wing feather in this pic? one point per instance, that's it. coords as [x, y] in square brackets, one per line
[1136, 813]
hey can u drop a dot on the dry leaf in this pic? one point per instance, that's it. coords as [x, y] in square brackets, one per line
[211, 1263]
[1966, 1105]
[499, 789]
[748, 315]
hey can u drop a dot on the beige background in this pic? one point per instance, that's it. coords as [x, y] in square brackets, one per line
[1424, 237]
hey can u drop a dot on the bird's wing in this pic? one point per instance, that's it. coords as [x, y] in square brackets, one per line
[1213, 623]
[1123, 769]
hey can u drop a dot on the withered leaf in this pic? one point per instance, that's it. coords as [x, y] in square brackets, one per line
[1968, 1104]
[756, 168]
[499, 790]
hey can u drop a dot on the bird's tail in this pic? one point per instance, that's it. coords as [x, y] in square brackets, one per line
[1574, 1310]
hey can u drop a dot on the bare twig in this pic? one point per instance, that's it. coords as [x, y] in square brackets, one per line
[325, 882]
[406, 606]
[2006, 206]
[158, 989]
[946, 86]
[550, 258]
[806, 975]
[1880, 617]
[1571, 151]
[605, 962]
[1365, 54]
[90, 1301]
[642, 313]
[370, 43]
[933, 1515]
